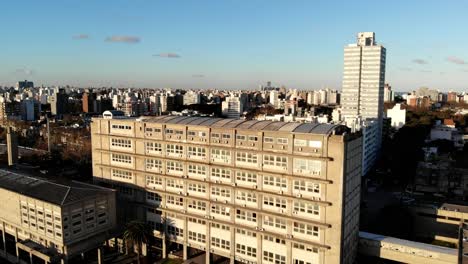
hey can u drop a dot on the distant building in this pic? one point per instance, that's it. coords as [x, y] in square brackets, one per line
[363, 90]
[88, 99]
[397, 115]
[388, 93]
[232, 107]
[58, 102]
[433, 95]
[452, 97]
[191, 98]
[24, 84]
[30, 109]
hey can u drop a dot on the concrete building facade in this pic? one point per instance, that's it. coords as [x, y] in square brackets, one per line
[52, 222]
[250, 191]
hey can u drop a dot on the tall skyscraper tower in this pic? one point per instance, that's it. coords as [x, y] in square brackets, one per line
[364, 78]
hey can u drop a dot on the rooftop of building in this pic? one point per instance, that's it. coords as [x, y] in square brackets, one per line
[276, 126]
[406, 243]
[49, 191]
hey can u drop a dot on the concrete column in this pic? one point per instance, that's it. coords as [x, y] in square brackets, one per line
[233, 243]
[288, 252]
[208, 257]
[17, 253]
[185, 251]
[4, 238]
[99, 255]
[30, 258]
[184, 246]
[259, 247]
[164, 247]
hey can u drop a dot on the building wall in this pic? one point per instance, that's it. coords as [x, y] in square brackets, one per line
[55, 226]
[217, 205]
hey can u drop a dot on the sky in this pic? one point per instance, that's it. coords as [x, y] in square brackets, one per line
[228, 44]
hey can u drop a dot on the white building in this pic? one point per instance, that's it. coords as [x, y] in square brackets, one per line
[389, 95]
[363, 92]
[191, 97]
[364, 78]
[232, 107]
[398, 116]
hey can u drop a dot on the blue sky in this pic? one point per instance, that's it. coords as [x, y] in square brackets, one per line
[228, 44]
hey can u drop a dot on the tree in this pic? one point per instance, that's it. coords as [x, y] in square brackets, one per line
[136, 233]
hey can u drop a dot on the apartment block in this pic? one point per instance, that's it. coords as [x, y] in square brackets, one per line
[249, 191]
[47, 222]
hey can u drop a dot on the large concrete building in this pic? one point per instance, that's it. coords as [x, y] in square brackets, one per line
[42, 221]
[249, 191]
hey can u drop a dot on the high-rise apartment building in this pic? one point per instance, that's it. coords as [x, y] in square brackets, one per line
[250, 191]
[364, 78]
[389, 95]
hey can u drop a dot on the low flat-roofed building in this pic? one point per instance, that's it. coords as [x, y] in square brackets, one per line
[53, 222]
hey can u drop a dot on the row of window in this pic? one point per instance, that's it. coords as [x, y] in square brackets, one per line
[300, 165]
[268, 180]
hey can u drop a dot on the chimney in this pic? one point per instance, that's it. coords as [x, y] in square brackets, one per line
[12, 146]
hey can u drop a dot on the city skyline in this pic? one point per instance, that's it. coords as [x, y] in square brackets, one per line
[228, 46]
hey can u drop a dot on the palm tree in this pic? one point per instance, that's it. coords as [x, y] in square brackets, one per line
[136, 233]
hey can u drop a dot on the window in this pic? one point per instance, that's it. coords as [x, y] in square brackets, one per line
[220, 243]
[306, 186]
[246, 232]
[304, 247]
[221, 210]
[122, 127]
[246, 157]
[274, 258]
[121, 143]
[308, 208]
[275, 181]
[153, 164]
[246, 250]
[246, 196]
[275, 161]
[153, 197]
[226, 136]
[174, 149]
[197, 237]
[175, 231]
[282, 141]
[121, 158]
[178, 184]
[178, 201]
[307, 166]
[174, 166]
[197, 169]
[246, 215]
[300, 143]
[268, 140]
[274, 202]
[315, 144]
[196, 152]
[221, 192]
[127, 175]
[241, 137]
[215, 135]
[197, 205]
[274, 239]
[153, 180]
[306, 229]
[220, 173]
[221, 155]
[153, 147]
[246, 176]
[274, 222]
[197, 187]
[220, 226]
[253, 138]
